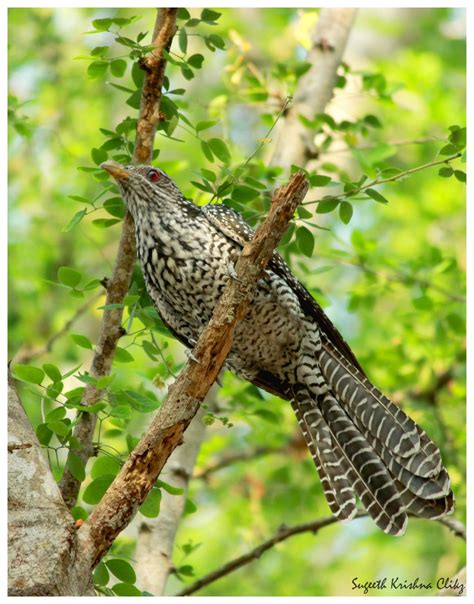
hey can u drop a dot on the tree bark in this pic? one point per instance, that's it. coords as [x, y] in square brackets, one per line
[41, 531]
[315, 88]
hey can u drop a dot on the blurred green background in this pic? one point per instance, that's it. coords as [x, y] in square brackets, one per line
[393, 279]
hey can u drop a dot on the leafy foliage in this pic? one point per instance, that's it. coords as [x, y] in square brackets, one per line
[379, 243]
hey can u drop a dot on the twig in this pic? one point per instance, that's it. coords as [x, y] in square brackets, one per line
[117, 287]
[146, 461]
[284, 533]
[381, 181]
[397, 277]
[236, 456]
[28, 355]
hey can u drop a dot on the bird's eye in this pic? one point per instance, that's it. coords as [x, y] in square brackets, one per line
[153, 175]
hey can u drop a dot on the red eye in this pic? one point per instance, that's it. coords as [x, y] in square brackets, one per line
[153, 175]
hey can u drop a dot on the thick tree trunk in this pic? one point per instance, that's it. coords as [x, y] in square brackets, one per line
[315, 89]
[41, 531]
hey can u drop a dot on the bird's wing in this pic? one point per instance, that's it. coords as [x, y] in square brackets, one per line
[233, 226]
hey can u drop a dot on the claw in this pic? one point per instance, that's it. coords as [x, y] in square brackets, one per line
[189, 354]
[232, 273]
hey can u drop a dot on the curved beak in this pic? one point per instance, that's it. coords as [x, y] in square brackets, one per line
[116, 170]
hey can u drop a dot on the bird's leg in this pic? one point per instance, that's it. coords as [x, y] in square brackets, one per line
[231, 269]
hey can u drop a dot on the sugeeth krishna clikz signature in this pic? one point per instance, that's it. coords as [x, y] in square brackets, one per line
[399, 584]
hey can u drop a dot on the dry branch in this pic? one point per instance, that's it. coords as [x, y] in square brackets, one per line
[146, 461]
[284, 533]
[117, 287]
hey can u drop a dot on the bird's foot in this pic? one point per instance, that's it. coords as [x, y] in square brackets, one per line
[190, 355]
[232, 272]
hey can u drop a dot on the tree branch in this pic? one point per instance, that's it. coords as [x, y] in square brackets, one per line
[315, 88]
[146, 461]
[284, 533]
[111, 330]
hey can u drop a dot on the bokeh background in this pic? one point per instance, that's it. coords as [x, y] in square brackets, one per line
[392, 279]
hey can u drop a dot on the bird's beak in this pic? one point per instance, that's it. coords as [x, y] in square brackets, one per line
[116, 170]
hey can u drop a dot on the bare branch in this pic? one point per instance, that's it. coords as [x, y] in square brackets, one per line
[111, 330]
[146, 461]
[284, 533]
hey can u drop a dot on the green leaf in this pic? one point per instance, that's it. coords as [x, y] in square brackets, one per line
[183, 40]
[81, 341]
[345, 212]
[61, 428]
[326, 205]
[446, 172]
[207, 151]
[319, 180]
[105, 223]
[189, 507]
[102, 24]
[44, 434]
[115, 207]
[123, 356]
[76, 466]
[105, 466]
[196, 61]
[55, 414]
[140, 402]
[215, 40]
[122, 570]
[376, 196]
[423, 303]
[456, 323]
[118, 67]
[98, 156]
[373, 121]
[126, 589]
[97, 69]
[448, 150]
[183, 14]
[169, 488]
[305, 241]
[99, 51]
[210, 16]
[458, 138]
[186, 570]
[267, 415]
[101, 575]
[150, 508]
[204, 125]
[96, 489]
[219, 149]
[244, 194]
[27, 373]
[75, 220]
[80, 199]
[52, 372]
[460, 175]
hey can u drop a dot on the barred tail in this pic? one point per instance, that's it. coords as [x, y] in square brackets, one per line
[364, 445]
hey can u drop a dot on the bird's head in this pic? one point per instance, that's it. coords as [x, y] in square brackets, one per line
[143, 187]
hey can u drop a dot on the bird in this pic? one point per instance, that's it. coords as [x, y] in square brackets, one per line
[364, 446]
